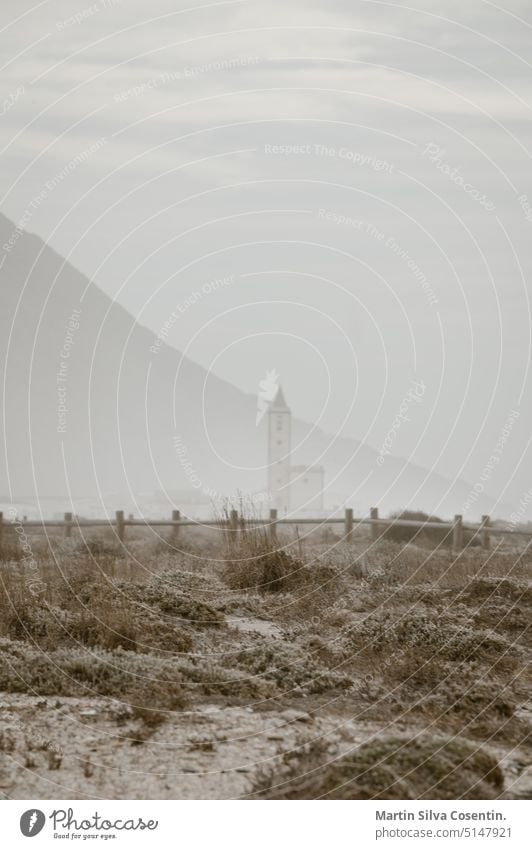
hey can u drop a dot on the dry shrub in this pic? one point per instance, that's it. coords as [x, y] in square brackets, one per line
[482, 709]
[148, 681]
[125, 626]
[78, 672]
[500, 603]
[454, 697]
[292, 668]
[153, 705]
[420, 637]
[268, 571]
[99, 548]
[194, 545]
[496, 589]
[19, 612]
[254, 564]
[392, 564]
[167, 594]
[11, 551]
[208, 678]
[512, 620]
[421, 536]
[81, 606]
[326, 536]
[95, 613]
[388, 768]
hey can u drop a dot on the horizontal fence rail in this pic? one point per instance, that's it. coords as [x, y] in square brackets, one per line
[234, 523]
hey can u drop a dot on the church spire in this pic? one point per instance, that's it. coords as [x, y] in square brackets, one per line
[279, 404]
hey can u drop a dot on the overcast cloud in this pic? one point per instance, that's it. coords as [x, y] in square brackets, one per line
[361, 168]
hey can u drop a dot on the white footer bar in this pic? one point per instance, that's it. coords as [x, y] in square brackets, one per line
[267, 825]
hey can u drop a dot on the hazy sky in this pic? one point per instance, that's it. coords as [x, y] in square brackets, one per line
[356, 175]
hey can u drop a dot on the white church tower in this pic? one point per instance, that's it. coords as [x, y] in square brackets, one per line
[279, 448]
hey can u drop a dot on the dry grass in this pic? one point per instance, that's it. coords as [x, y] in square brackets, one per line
[388, 768]
[396, 636]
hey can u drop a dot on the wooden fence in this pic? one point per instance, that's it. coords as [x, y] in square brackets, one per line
[234, 523]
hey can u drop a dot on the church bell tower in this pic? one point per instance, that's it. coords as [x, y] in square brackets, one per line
[279, 447]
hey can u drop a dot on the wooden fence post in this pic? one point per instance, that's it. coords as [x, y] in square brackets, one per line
[120, 526]
[485, 532]
[1, 535]
[375, 529]
[68, 524]
[176, 518]
[348, 524]
[273, 526]
[458, 533]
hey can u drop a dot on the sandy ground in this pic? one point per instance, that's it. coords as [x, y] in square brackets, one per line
[78, 748]
[88, 748]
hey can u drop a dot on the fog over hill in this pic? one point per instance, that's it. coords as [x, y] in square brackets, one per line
[93, 406]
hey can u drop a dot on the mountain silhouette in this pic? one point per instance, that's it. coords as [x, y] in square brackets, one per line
[89, 410]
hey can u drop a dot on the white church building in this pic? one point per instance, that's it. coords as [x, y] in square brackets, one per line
[293, 489]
